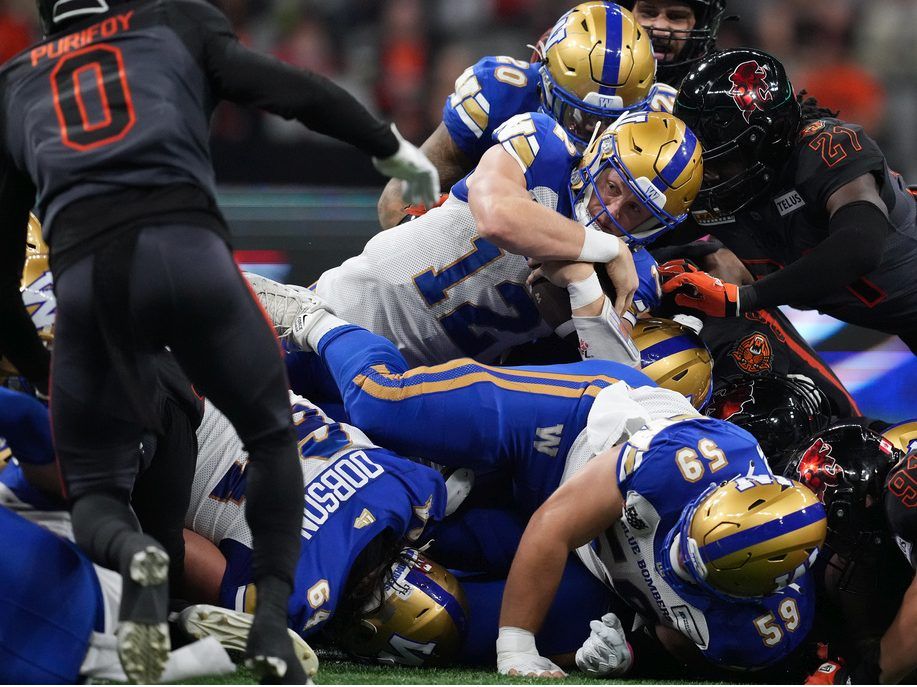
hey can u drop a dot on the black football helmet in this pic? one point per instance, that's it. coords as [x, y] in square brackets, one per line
[55, 15]
[778, 411]
[743, 109]
[846, 466]
[699, 41]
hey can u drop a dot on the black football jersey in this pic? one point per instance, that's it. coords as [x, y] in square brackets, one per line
[901, 506]
[780, 229]
[766, 342]
[123, 101]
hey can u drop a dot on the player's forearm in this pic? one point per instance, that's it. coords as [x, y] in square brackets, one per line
[519, 225]
[898, 657]
[391, 205]
[250, 78]
[853, 249]
[533, 578]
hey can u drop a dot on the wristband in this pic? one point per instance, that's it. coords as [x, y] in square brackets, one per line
[516, 640]
[584, 292]
[599, 247]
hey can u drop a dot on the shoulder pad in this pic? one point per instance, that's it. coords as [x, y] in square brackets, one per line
[486, 95]
[541, 147]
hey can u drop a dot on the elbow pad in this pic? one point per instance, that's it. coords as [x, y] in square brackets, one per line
[867, 227]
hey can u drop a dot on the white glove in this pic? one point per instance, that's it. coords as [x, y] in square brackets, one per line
[420, 178]
[517, 655]
[606, 652]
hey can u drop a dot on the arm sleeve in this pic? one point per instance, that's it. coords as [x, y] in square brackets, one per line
[250, 78]
[854, 247]
[19, 340]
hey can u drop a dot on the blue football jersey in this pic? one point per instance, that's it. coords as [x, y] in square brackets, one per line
[353, 492]
[543, 151]
[659, 479]
[487, 94]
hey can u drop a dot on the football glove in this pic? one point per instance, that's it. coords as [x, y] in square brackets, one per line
[829, 673]
[703, 293]
[517, 655]
[673, 268]
[420, 177]
[606, 653]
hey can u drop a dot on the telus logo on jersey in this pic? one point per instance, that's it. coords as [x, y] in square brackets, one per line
[789, 202]
[750, 87]
[334, 487]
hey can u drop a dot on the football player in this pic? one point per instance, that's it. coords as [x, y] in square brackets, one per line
[105, 124]
[682, 31]
[569, 435]
[594, 64]
[805, 200]
[758, 342]
[867, 593]
[452, 283]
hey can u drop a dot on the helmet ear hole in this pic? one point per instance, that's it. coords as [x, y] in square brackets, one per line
[777, 559]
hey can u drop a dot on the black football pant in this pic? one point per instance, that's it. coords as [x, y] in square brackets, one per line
[183, 291]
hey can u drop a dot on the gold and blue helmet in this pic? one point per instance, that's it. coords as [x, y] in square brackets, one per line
[657, 157]
[422, 620]
[673, 356]
[37, 289]
[903, 435]
[597, 64]
[749, 536]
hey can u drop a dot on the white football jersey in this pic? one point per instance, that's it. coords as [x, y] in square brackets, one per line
[217, 510]
[437, 289]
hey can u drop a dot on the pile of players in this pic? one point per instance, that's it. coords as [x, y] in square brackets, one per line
[569, 385]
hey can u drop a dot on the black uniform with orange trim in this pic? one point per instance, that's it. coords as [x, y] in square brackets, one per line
[108, 120]
[766, 342]
[901, 505]
[775, 232]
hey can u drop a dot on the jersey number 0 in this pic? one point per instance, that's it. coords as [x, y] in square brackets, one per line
[92, 98]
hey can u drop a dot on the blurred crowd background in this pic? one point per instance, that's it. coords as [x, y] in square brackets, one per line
[401, 57]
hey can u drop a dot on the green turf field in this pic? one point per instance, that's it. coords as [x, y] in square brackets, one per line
[336, 672]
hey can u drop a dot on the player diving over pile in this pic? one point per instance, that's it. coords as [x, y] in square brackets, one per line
[713, 552]
[452, 283]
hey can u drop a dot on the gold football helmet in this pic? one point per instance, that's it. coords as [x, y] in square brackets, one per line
[903, 436]
[37, 288]
[597, 63]
[673, 356]
[657, 157]
[750, 536]
[422, 620]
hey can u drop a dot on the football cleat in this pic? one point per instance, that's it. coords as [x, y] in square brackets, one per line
[313, 311]
[143, 633]
[230, 628]
[282, 302]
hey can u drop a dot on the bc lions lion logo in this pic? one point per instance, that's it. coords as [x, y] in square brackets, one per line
[818, 470]
[725, 405]
[753, 354]
[749, 87]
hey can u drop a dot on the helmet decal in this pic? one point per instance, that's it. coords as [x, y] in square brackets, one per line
[750, 87]
[730, 405]
[753, 354]
[818, 469]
